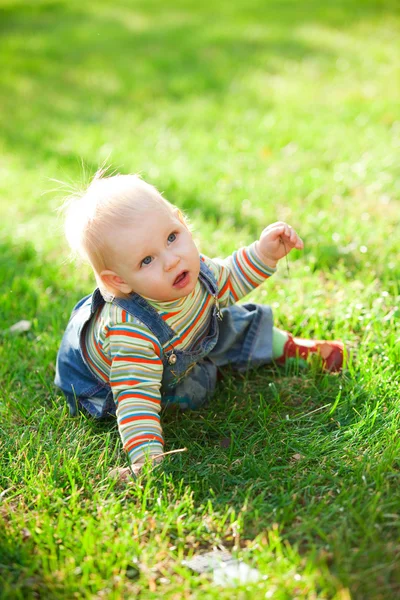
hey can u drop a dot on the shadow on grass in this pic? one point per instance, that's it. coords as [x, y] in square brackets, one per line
[33, 289]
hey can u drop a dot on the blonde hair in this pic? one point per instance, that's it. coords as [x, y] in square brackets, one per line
[114, 201]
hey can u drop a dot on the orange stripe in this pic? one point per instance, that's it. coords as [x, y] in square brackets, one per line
[135, 335]
[100, 351]
[138, 395]
[228, 286]
[143, 417]
[170, 314]
[137, 360]
[183, 336]
[253, 283]
[233, 292]
[103, 376]
[125, 382]
[253, 267]
[222, 292]
[130, 445]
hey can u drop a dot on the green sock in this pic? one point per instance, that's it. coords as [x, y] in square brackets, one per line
[279, 339]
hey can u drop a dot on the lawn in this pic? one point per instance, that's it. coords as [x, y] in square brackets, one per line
[242, 112]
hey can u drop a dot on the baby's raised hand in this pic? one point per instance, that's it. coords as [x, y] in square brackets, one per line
[276, 241]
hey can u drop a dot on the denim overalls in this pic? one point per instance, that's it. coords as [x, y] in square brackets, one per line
[240, 335]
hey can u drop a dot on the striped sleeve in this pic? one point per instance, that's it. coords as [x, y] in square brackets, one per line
[239, 274]
[135, 379]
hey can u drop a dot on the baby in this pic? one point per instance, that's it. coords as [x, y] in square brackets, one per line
[164, 318]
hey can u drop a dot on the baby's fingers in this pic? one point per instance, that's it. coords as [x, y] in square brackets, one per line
[121, 474]
[296, 240]
[275, 230]
[292, 238]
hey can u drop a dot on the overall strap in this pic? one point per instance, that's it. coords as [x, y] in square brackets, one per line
[97, 300]
[206, 276]
[138, 307]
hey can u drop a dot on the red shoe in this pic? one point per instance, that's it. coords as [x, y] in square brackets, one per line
[331, 353]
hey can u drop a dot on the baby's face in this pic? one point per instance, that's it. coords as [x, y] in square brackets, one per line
[157, 257]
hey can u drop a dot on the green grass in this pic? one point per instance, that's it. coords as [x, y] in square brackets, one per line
[243, 113]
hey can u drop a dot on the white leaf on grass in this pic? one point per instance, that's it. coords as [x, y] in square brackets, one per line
[20, 326]
[226, 571]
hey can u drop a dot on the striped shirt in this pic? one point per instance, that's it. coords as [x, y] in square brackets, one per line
[124, 353]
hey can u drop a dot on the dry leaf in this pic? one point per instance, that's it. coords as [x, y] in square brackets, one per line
[225, 442]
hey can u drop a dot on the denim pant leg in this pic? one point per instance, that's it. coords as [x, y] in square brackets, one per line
[195, 389]
[100, 406]
[245, 340]
[245, 337]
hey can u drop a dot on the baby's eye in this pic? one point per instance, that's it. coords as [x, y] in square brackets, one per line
[146, 261]
[172, 237]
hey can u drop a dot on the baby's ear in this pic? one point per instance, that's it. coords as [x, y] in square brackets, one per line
[114, 282]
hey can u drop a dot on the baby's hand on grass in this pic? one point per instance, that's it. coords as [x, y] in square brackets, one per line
[125, 474]
[276, 241]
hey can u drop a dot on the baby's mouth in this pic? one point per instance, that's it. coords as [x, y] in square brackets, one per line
[182, 279]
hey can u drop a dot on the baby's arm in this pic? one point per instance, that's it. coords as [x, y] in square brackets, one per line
[135, 378]
[247, 268]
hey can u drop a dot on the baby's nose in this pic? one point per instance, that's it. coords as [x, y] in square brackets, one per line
[171, 261]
